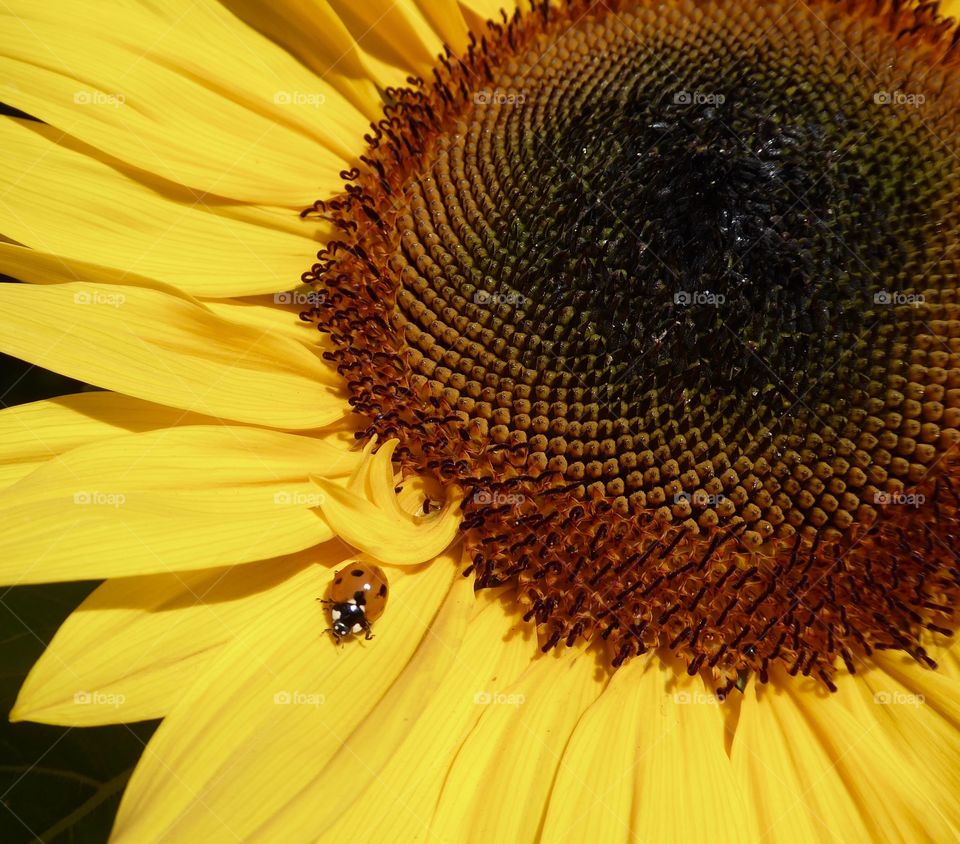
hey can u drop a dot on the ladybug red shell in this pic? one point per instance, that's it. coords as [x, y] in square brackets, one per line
[358, 596]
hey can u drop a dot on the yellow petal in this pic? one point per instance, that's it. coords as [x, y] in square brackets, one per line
[154, 531]
[515, 751]
[918, 710]
[912, 684]
[685, 784]
[38, 267]
[357, 481]
[187, 458]
[391, 537]
[312, 31]
[136, 644]
[30, 434]
[395, 32]
[278, 314]
[278, 705]
[477, 12]
[415, 491]
[393, 767]
[446, 20]
[592, 795]
[381, 480]
[647, 763]
[945, 650]
[950, 8]
[187, 92]
[166, 500]
[814, 772]
[90, 221]
[165, 348]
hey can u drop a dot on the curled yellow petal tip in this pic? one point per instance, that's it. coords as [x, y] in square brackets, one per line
[388, 533]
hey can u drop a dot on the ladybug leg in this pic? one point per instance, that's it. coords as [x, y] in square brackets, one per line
[367, 630]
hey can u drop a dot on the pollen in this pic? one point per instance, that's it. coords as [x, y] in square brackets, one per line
[670, 292]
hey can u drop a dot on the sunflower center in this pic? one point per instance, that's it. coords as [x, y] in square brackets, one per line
[670, 291]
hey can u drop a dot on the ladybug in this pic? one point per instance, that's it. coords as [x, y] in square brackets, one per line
[357, 596]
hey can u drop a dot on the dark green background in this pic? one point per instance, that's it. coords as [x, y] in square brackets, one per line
[56, 784]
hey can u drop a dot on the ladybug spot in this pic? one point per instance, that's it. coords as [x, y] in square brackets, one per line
[357, 572]
[383, 590]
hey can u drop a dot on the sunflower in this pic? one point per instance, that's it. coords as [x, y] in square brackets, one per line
[642, 316]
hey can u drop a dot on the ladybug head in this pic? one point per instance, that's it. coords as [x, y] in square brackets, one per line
[341, 628]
